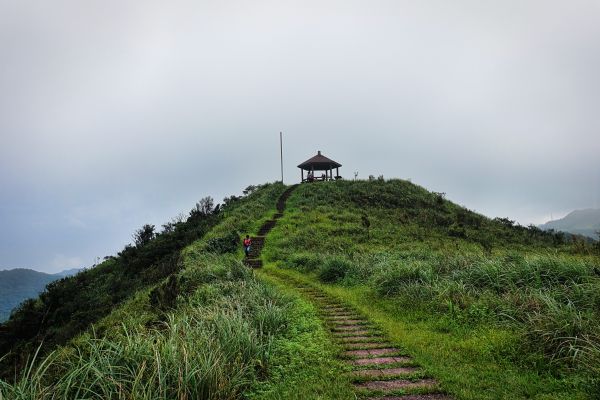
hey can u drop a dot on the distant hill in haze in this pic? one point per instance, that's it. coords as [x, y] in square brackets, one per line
[19, 284]
[583, 222]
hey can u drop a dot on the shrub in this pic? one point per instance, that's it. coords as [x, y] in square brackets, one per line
[457, 230]
[334, 270]
[227, 243]
[304, 261]
[397, 277]
[164, 296]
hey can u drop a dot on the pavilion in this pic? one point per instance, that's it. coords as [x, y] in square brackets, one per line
[319, 163]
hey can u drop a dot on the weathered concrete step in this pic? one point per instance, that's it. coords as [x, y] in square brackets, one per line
[343, 334]
[396, 384]
[366, 345]
[341, 317]
[374, 361]
[334, 310]
[266, 227]
[349, 328]
[384, 373]
[371, 352]
[413, 397]
[330, 305]
[343, 322]
[360, 339]
[253, 263]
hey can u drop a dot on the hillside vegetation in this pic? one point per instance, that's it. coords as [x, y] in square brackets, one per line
[210, 330]
[70, 305]
[492, 310]
[517, 308]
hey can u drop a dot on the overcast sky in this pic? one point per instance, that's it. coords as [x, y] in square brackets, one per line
[118, 113]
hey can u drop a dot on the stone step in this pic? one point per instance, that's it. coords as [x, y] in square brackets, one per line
[344, 334]
[253, 263]
[435, 396]
[359, 339]
[349, 328]
[374, 361]
[348, 322]
[397, 384]
[341, 317]
[386, 351]
[366, 345]
[384, 373]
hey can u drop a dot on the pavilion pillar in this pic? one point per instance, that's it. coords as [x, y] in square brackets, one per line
[337, 172]
[301, 175]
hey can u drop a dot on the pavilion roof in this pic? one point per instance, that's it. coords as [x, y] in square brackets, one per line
[319, 163]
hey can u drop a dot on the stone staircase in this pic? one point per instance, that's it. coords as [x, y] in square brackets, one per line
[378, 369]
[258, 241]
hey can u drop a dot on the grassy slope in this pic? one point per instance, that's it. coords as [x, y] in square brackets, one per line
[216, 332]
[70, 305]
[491, 310]
[226, 335]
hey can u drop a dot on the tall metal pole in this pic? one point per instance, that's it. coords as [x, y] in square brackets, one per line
[281, 153]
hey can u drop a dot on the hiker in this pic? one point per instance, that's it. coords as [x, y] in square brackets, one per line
[247, 245]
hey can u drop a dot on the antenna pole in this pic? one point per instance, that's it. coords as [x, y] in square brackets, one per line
[281, 153]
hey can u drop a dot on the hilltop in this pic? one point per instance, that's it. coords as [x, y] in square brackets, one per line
[461, 306]
[580, 222]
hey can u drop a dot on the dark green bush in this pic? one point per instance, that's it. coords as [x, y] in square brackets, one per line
[457, 230]
[164, 296]
[225, 244]
[334, 270]
[397, 277]
[305, 261]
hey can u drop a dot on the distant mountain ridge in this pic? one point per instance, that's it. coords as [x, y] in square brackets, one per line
[582, 222]
[20, 284]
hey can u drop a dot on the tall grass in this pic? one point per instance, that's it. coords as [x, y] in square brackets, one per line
[214, 346]
[519, 279]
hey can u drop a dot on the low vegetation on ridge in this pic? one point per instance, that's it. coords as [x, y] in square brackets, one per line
[491, 309]
[210, 330]
[427, 260]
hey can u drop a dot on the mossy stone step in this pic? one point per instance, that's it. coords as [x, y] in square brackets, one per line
[363, 353]
[253, 263]
[365, 345]
[397, 384]
[384, 373]
[375, 361]
[433, 396]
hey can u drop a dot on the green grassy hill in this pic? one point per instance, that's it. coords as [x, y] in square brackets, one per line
[490, 309]
[493, 309]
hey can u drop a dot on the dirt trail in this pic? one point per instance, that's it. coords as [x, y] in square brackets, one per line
[379, 370]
